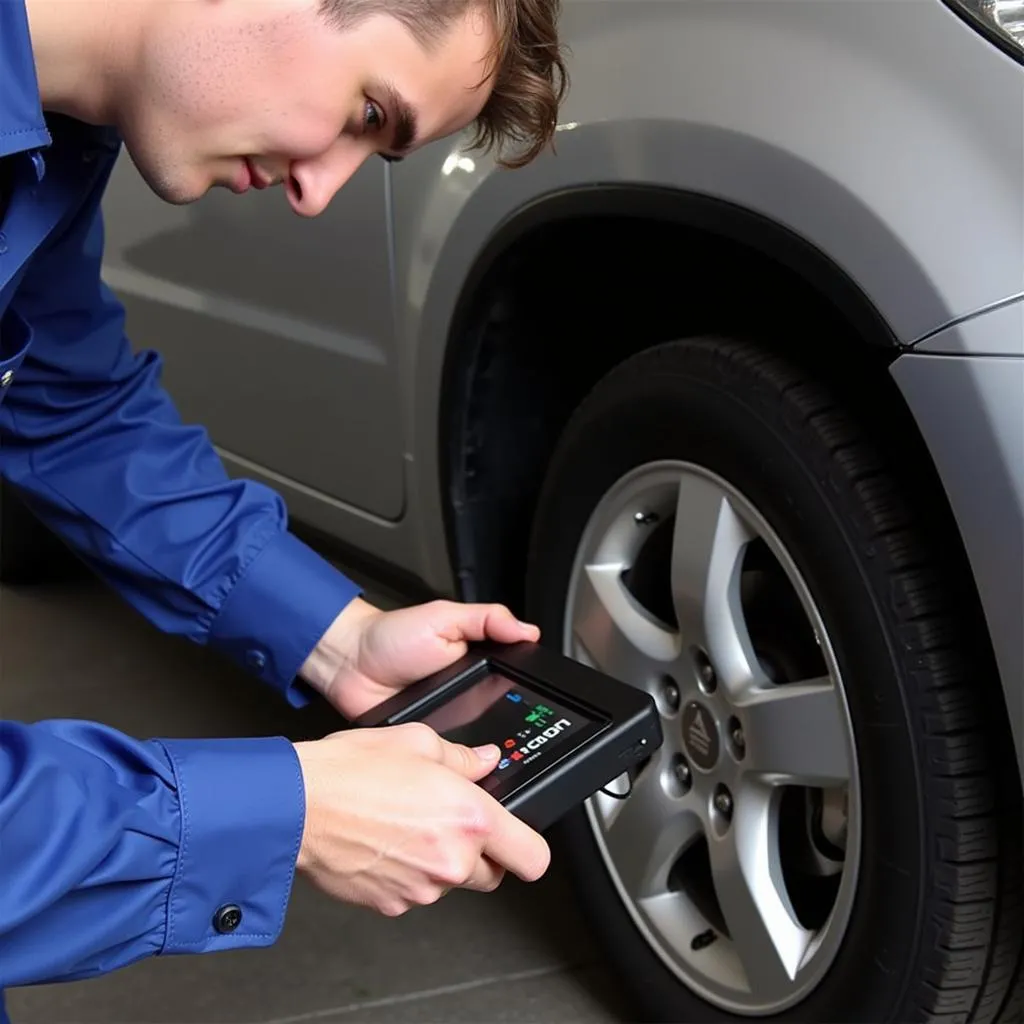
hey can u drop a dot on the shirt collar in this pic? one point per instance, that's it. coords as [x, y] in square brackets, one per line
[22, 126]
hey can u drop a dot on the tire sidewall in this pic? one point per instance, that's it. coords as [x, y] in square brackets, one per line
[746, 436]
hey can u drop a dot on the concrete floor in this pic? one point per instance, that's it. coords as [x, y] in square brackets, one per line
[520, 954]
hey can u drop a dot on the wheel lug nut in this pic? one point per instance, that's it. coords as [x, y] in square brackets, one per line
[705, 673]
[670, 692]
[739, 741]
[682, 773]
[723, 802]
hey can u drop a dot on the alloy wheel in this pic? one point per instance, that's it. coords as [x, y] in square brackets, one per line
[736, 847]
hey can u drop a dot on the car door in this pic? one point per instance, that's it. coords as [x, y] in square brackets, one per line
[276, 330]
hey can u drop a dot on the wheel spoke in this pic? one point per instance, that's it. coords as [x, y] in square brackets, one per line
[769, 941]
[707, 556]
[795, 734]
[649, 832]
[615, 632]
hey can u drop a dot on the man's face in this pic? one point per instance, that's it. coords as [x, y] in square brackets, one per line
[246, 93]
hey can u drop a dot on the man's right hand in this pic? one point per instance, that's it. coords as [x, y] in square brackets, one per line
[394, 819]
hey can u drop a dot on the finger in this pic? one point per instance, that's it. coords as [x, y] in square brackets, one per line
[473, 622]
[486, 876]
[511, 843]
[515, 846]
[472, 763]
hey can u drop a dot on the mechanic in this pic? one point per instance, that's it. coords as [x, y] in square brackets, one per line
[111, 848]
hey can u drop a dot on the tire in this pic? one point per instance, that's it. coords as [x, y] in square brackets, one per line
[932, 862]
[29, 552]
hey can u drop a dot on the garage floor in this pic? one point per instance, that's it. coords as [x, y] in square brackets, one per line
[519, 954]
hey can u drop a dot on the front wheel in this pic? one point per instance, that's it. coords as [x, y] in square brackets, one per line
[831, 829]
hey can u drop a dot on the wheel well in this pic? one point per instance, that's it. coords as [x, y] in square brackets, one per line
[573, 296]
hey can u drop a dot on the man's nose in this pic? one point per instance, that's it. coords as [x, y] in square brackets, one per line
[314, 182]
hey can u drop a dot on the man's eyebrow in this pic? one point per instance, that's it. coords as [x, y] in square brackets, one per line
[403, 130]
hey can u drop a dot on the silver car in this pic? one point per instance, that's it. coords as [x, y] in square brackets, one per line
[727, 393]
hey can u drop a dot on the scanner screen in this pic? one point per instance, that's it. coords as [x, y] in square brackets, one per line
[530, 729]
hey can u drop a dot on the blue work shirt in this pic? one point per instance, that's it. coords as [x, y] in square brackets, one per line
[113, 848]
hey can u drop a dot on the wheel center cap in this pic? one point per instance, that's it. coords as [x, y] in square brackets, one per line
[700, 736]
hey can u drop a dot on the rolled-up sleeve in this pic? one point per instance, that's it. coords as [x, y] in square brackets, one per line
[96, 446]
[114, 849]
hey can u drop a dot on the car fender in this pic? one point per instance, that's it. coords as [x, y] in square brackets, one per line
[902, 176]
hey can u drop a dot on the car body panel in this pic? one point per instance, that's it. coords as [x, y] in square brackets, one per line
[277, 332]
[891, 166]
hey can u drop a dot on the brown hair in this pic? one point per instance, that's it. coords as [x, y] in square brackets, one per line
[530, 76]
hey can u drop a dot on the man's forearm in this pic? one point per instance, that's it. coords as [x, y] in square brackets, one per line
[96, 444]
[114, 849]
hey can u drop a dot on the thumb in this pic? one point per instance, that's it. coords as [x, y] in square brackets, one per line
[475, 622]
[471, 762]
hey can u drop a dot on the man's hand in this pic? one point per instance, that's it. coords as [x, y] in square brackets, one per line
[394, 819]
[368, 654]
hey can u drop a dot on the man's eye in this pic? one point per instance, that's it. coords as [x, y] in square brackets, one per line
[373, 117]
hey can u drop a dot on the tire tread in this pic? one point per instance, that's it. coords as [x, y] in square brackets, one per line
[976, 873]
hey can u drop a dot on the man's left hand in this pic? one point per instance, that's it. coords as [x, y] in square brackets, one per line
[368, 654]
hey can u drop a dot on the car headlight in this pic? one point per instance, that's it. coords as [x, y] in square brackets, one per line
[1002, 21]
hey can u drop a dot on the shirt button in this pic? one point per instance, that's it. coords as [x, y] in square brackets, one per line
[3, 243]
[6, 377]
[255, 659]
[227, 918]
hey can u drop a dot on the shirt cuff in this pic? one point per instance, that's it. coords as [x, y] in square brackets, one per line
[278, 611]
[243, 810]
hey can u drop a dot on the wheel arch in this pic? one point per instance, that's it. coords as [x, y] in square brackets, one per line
[486, 384]
[654, 203]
